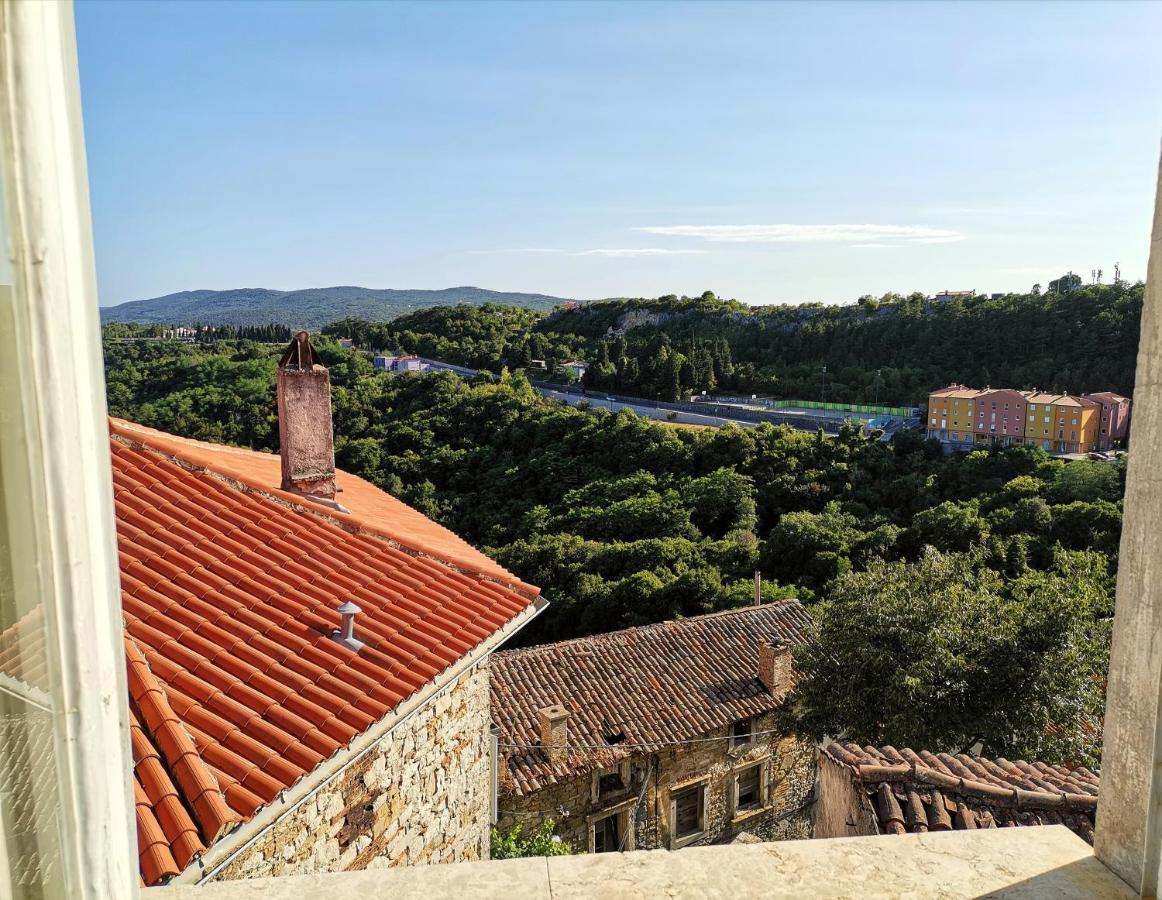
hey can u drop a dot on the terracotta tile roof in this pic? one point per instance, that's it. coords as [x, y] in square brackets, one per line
[920, 791]
[229, 595]
[665, 682]
[958, 391]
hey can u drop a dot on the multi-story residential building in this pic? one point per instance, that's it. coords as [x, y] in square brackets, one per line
[1062, 423]
[308, 657]
[662, 736]
[952, 412]
[1000, 417]
[1115, 418]
[1059, 423]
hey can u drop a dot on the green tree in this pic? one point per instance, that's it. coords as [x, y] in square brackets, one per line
[942, 653]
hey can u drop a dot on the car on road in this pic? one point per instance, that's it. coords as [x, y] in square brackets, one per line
[1097, 454]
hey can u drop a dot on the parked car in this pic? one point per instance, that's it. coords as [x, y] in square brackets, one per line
[1097, 454]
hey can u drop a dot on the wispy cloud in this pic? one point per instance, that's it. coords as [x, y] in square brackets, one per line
[874, 246]
[789, 233]
[519, 250]
[621, 252]
[637, 251]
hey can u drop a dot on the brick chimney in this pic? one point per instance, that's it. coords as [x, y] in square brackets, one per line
[554, 722]
[304, 421]
[775, 668]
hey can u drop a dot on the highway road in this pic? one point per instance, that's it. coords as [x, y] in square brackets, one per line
[644, 410]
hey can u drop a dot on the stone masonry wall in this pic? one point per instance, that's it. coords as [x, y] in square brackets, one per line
[787, 815]
[422, 795]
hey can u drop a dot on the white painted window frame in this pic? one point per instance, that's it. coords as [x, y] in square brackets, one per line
[65, 423]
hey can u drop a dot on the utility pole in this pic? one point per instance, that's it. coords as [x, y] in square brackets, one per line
[758, 588]
[877, 388]
[823, 390]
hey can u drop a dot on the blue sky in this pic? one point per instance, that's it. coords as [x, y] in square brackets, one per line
[607, 149]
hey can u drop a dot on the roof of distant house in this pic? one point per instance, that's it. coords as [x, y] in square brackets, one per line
[958, 391]
[634, 689]
[1108, 396]
[230, 588]
[910, 791]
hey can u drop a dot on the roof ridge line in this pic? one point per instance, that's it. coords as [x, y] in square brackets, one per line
[653, 626]
[284, 498]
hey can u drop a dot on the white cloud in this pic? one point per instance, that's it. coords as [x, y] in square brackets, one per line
[520, 250]
[874, 246]
[637, 251]
[788, 233]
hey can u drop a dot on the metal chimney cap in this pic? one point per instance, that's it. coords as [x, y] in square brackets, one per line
[348, 609]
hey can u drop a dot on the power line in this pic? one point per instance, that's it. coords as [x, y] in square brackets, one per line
[650, 745]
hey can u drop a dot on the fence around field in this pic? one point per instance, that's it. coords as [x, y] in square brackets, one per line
[899, 411]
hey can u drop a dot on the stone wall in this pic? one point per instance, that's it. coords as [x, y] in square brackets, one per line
[787, 815]
[422, 795]
[842, 808]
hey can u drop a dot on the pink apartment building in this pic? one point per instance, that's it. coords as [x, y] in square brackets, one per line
[999, 417]
[1115, 418]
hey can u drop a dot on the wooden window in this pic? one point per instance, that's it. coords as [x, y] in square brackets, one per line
[742, 732]
[749, 789]
[687, 814]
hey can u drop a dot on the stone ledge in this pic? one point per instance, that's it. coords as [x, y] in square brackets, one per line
[1014, 863]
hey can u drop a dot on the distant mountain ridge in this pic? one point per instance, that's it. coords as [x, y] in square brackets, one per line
[307, 308]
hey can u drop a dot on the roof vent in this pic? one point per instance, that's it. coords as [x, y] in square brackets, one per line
[345, 634]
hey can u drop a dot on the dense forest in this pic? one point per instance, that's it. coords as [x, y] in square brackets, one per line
[949, 561]
[890, 350]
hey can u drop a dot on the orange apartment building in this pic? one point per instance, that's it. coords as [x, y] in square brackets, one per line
[1060, 423]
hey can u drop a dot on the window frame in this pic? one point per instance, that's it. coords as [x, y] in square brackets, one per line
[762, 802]
[700, 789]
[58, 344]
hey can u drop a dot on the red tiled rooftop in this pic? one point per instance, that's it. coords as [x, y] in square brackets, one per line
[910, 791]
[229, 593]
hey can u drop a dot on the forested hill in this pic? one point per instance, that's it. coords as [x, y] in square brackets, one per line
[1084, 340]
[309, 308]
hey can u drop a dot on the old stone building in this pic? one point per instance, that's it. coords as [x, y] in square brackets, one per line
[882, 790]
[663, 736]
[307, 657]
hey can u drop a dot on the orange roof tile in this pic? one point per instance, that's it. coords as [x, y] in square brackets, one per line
[229, 594]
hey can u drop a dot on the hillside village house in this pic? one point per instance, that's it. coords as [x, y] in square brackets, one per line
[307, 656]
[662, 736]
[881, 790]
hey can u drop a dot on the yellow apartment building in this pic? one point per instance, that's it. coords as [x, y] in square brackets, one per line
[951, 413]
[1062, 423]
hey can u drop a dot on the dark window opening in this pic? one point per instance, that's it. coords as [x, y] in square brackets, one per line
[610, 784]
[749, 789]
[742, 732]
[605, 835]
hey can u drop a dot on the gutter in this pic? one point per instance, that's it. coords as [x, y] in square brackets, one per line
[223, 852]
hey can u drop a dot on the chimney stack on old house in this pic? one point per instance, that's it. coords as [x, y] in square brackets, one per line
[306, 442]
[775, 668]
[554, 722]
